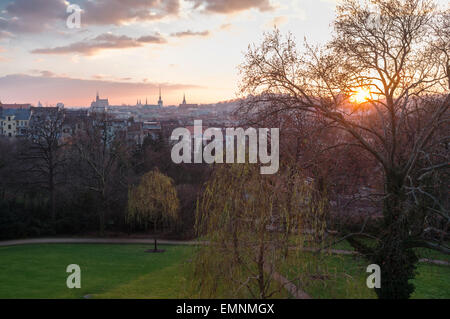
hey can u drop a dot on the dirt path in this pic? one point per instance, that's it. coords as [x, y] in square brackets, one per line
[288, 285]
[350, 252]
[295, 291]
[163, 242]
[94, 241]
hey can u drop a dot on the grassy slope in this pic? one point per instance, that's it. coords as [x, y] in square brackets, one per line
[338, 276]
[39, 271]
[432, 281]
[421, 252]
[125, 271]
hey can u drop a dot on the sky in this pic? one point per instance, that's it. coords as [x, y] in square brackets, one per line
[127, 49]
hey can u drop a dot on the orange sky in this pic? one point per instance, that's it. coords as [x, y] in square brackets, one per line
[127, 49]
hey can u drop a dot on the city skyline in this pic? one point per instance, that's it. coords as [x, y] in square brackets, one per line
[126, 50]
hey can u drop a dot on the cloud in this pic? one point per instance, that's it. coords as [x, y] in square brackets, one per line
[107, 77]
[226, 26]
[277, 21]
[35, 16]
[44, 73]
[98, 76]
[2, 58]
[80, 92]
[117, 12]
[25, 16]
[4, 34]
[104, 41]
[231, 6]
[189, 33]
[152, 39]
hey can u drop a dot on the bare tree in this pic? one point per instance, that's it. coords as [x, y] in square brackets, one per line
[43, 156]
[104, 160]
[8, 166]
[383, 82]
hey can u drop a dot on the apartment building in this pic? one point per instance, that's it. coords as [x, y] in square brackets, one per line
[14, 121]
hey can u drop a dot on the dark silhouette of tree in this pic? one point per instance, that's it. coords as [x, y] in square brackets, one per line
[43, 155]
[383, 81]
[104, 164]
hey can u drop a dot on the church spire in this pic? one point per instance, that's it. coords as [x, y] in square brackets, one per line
[160, 101]
[184, 98]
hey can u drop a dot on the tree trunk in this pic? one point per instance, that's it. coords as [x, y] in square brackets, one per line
[261, 284]
[154, 234]
[102, 222]
[52, 196]
[397, 262]
[102, 214]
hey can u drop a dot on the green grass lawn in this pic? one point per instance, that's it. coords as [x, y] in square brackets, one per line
[107, 271]
[126, 271]
[343, 276]
[421, 252]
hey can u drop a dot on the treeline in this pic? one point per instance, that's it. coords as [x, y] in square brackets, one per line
[78, 185]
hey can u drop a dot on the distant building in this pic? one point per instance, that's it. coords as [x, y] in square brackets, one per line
[14, 121]
[15, 106]
[160, 101]
[152, 130]
[74, 122]
[41, 116]
[135, 133]
[185, 105]
[158, 106]
[99, 105]
[43, 113]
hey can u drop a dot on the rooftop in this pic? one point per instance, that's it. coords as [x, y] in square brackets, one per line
[20, 114]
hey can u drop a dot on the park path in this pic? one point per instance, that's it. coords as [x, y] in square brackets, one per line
[160, 241]
[294, 290]
[352, 252]
[95, 241]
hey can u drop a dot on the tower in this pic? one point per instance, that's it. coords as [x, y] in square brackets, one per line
[184, 99]
[98, 97]
[160, 101]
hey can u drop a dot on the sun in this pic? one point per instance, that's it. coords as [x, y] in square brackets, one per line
[361, 95]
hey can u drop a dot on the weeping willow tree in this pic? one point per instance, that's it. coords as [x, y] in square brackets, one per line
[153, 202]
[250, 222]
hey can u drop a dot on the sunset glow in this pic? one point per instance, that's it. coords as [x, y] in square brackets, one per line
[128, 52]
[361, 95]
